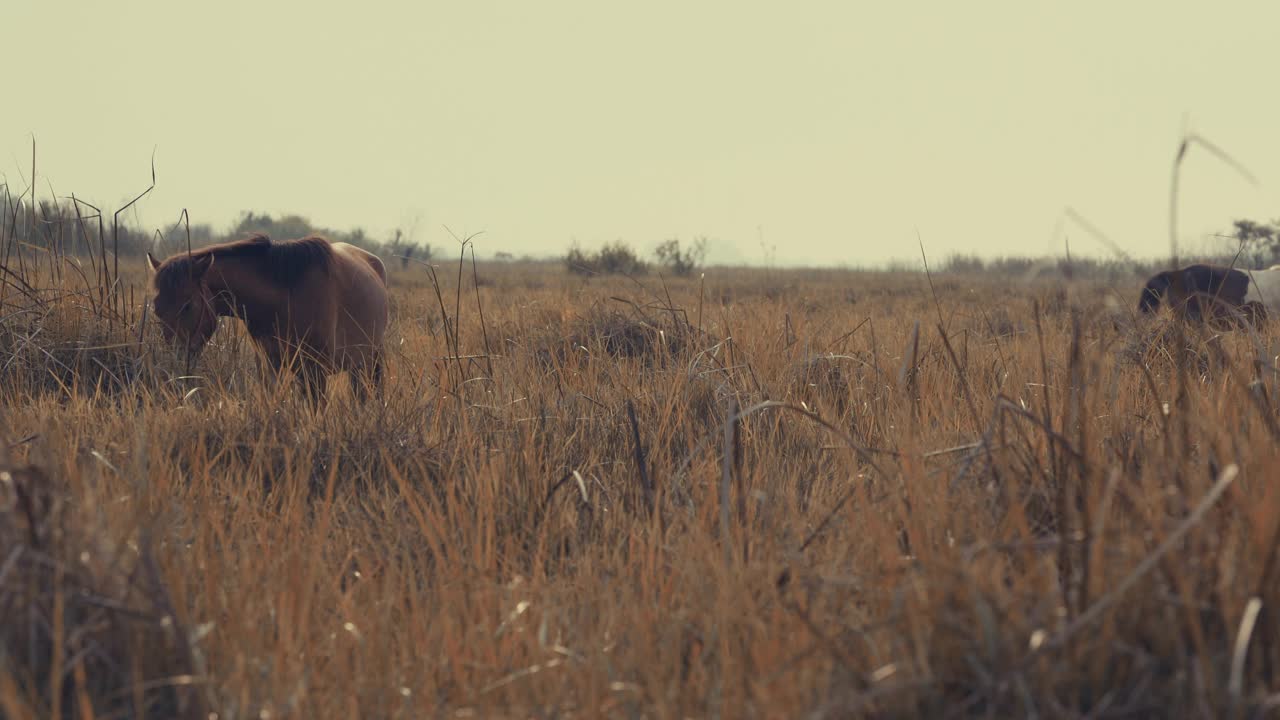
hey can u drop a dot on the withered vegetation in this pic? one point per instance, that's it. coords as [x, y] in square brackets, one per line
[765, 494]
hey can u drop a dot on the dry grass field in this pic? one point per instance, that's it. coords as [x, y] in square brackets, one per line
[766, 494]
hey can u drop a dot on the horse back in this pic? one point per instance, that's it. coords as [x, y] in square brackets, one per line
[1227, 283]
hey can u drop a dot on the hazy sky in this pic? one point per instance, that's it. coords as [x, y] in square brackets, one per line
[832, 129]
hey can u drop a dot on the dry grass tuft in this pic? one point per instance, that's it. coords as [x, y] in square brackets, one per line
[652, 339]
[90, 628]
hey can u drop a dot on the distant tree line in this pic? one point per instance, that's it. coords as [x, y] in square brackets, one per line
[1024, 267]
[67, 228]
[1076, 267]
[1257, 246]
[285, 227]
[77, 228]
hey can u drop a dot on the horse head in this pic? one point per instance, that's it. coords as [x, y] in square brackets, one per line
[1153, 292]
[183, 302]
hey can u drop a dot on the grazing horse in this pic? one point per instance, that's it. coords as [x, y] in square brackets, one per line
[318, 303]
[1215, 293]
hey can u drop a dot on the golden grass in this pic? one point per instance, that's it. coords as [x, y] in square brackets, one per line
[1041, 509]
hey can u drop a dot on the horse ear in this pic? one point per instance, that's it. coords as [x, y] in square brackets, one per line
[201, 265]
[151, 262]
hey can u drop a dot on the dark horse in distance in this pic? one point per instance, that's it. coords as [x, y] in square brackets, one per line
[319, 306]
[1214, 293]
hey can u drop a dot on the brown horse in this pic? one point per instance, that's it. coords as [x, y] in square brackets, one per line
[1214, 293]
[316, 303]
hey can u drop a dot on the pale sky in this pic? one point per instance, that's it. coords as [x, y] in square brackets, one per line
[834, 130]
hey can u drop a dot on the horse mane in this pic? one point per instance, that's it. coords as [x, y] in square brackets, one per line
[285, 263]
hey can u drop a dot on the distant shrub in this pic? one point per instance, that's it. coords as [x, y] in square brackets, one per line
[404, 251]
[963, 264]
[1259, 242]
[616, 258]
[682, 261]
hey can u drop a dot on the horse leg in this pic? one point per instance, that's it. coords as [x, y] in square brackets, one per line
[366, 380]
[361, 379]
[269, 361]
[312, 378]
[376, 374]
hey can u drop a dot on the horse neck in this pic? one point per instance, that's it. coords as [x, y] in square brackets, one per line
[240, 286]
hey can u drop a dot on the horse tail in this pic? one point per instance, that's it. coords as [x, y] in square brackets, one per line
[1151, 294]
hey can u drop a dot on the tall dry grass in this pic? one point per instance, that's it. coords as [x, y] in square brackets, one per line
[796, 493]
